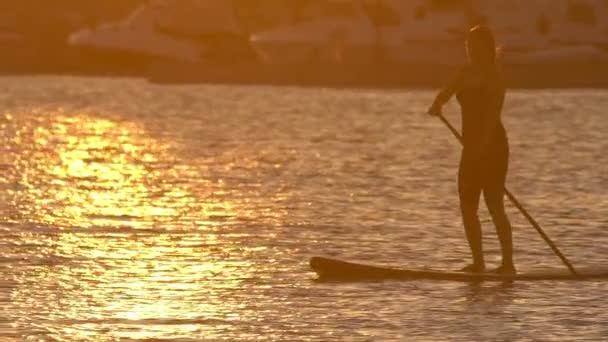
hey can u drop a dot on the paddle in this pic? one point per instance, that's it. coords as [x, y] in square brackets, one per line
[520, 207]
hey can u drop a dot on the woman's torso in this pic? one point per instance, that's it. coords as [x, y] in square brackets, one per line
[479, 94]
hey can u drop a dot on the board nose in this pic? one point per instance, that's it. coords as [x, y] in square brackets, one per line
[315, 262]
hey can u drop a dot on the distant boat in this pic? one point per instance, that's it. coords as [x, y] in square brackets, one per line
[433, 32]
[332, 33]
[137, 37]
[213, 25]
[164, 31]
[427, 33]
[419, 42]
[548, 31]
[345, 32]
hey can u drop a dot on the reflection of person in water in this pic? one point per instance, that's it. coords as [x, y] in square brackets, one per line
[485, 155]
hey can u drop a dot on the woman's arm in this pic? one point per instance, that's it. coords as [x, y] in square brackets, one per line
[446, 93]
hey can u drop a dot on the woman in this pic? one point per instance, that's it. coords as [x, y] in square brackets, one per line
[485, 154]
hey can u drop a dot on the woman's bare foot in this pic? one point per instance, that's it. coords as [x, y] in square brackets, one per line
[505, 269]
[474, 268]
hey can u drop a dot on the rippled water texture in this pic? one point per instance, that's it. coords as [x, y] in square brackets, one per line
[134, 211]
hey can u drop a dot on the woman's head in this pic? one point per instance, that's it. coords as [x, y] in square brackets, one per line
[481, 47]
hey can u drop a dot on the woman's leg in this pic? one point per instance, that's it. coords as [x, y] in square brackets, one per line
[494, 193]
[469, 192]
[494, 199]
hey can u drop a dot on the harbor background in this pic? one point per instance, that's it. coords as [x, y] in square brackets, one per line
[353, 43]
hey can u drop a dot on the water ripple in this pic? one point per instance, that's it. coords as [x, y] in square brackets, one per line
[134, 211]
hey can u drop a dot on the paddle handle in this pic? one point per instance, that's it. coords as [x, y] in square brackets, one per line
[520, 207]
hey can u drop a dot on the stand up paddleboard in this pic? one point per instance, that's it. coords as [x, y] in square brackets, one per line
[336, 270]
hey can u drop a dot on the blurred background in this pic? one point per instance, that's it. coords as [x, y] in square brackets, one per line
[259, 40]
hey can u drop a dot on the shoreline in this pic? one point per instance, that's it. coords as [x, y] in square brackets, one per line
[403, 76]
[548, 76]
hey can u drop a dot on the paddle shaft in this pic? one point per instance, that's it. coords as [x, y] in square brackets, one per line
[520, 207]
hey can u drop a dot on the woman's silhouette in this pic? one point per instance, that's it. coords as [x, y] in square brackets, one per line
[485, 155]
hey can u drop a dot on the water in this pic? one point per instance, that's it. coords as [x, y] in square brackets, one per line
[135, 211]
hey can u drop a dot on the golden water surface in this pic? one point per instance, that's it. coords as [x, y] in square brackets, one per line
[133, 211]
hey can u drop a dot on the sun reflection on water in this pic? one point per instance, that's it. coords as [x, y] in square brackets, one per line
[97, 172]
[138, 243]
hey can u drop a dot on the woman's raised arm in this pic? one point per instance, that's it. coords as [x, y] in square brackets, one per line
[446, 93]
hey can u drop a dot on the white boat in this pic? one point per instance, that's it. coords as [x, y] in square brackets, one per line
[335, 32]
[528, 31]
[436, 38]
[425, 34]
[162, 30]
[137, 35]
[545, 31]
